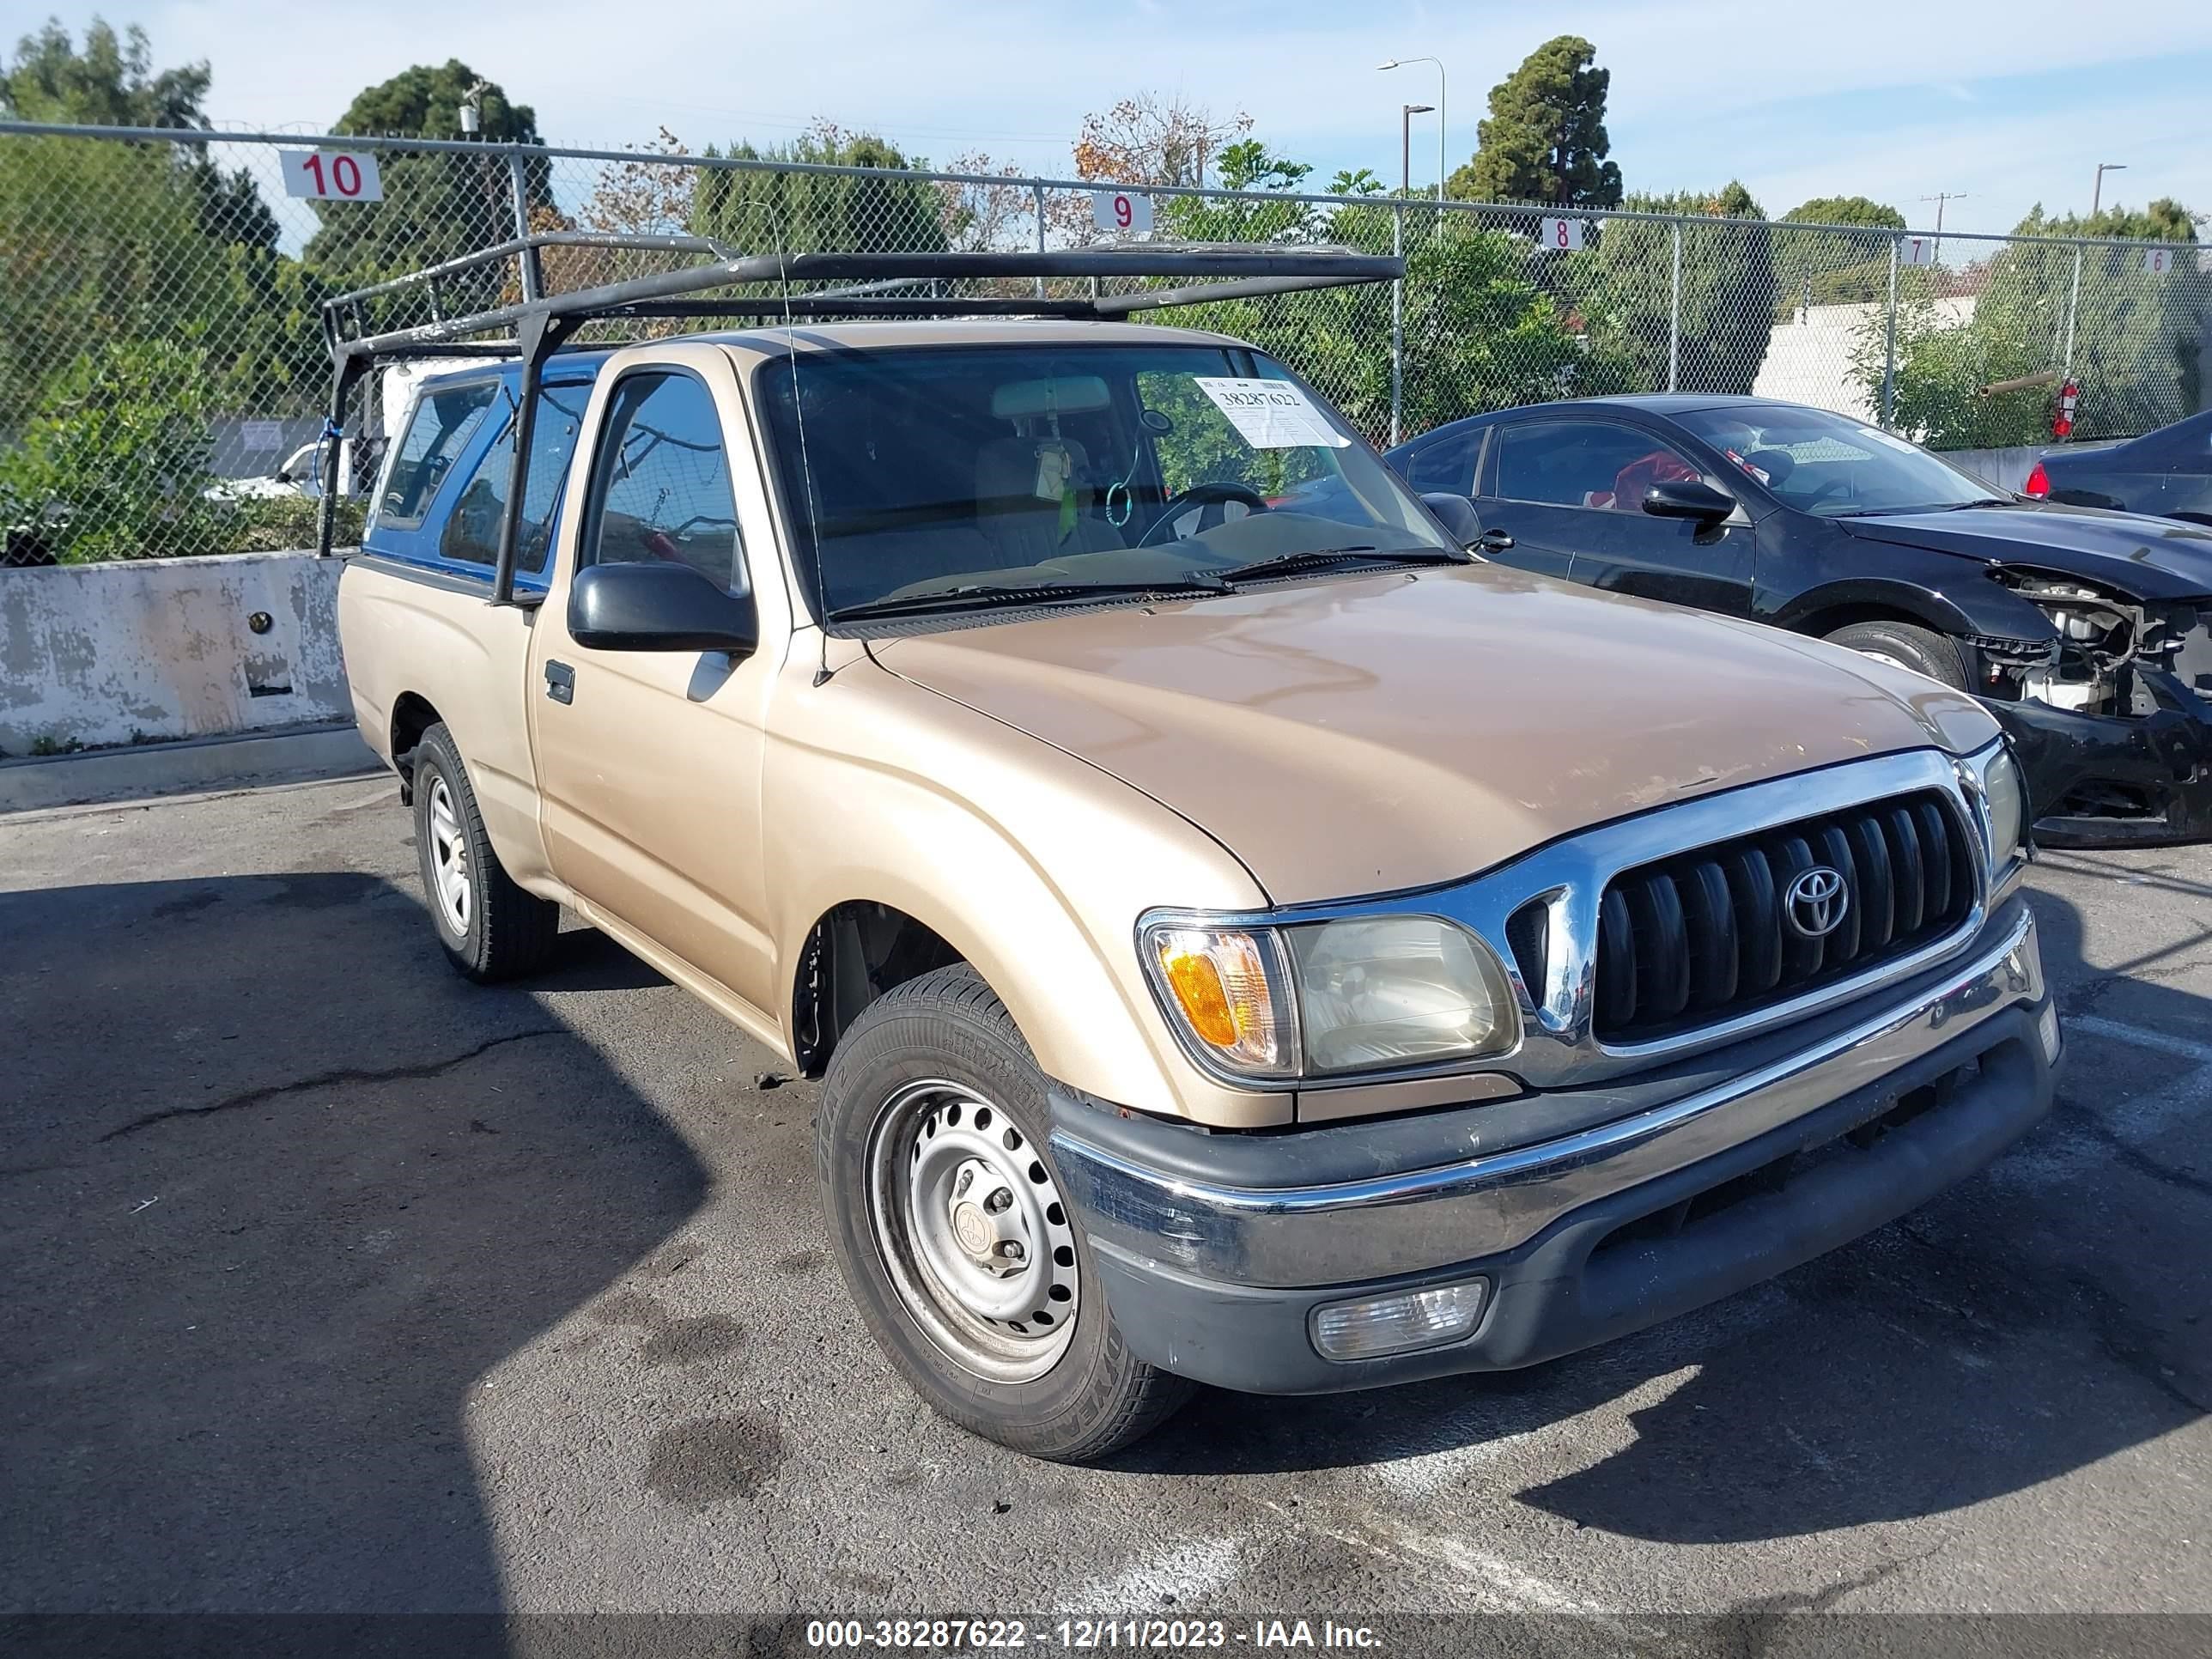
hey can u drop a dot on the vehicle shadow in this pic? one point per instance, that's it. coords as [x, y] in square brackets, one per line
[1940, 1361]
[278, 1190]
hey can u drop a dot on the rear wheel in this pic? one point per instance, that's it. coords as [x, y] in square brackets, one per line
[491, 929]
[961, 1251]
[1907, 645]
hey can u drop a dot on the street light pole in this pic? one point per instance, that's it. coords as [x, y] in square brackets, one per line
[2097, 195]
[1406, 114]
[1443, 120]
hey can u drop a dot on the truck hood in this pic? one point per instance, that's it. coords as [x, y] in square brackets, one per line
[1363, 734]
[2139, 557]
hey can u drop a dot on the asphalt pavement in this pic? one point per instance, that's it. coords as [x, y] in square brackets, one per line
[330, 1284]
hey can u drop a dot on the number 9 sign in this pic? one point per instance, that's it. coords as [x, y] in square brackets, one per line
[332, 175]
[1126, 212]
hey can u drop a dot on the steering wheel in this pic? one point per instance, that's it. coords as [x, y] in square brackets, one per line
[1833, 487]
[1212, 496]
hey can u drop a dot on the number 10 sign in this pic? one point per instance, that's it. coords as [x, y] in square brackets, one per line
[332, 175]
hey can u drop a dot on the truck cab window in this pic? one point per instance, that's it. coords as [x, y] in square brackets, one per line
[471, 535]
[445, 419]
[660, 483]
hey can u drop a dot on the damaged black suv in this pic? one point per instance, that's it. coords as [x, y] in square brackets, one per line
[2085, 631]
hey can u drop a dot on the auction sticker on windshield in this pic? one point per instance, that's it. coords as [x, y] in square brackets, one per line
[1271, 414]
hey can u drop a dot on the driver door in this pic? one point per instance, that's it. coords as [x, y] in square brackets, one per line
[1570, 492]
[649, 762]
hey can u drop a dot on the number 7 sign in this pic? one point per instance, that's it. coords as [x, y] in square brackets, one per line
[332, 175]
[1916, 251]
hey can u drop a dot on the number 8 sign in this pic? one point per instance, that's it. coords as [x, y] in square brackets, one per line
[1562, 235]
[332, 175]
[1122, 210]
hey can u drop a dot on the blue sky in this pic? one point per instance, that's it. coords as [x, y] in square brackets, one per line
[2010, 101]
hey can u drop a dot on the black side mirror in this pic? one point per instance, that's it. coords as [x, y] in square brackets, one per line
[657, 607]
[1688, 498]
[1458, 515]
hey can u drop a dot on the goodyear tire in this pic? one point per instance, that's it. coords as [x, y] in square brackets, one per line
[490, 928]
[967, 1266]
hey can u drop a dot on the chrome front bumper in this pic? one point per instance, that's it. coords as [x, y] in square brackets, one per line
[1305, 1233]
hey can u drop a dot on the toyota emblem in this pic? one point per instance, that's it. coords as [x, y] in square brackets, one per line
[1817, 901]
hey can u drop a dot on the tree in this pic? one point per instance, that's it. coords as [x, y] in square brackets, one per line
[2135, 338]
[437, 204]
[121, 240]
[1481, 329]
[1848, 266]
[112, 463]
[1246, 166]
[1146, 140]
[767, 212]
[1545, 138]
[111, 83]
[1624, 287]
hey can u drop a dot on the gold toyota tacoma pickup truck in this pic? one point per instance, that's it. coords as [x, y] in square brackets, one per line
[1238, 946]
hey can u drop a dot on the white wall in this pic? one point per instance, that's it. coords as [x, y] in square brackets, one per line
[105, 653]
[1808, 356]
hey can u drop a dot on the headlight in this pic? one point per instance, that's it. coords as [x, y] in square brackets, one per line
[2004, 798]
[1397, 991]
[1366, 994]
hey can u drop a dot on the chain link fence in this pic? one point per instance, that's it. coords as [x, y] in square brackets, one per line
[162, 365]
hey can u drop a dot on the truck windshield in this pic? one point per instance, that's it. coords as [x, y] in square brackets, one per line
[1001, 474]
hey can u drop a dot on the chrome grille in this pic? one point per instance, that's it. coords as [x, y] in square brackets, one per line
[1705, 935]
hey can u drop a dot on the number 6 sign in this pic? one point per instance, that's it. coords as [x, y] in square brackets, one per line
[1121, 210]
[332, 175]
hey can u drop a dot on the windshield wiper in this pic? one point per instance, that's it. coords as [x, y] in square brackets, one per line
[1289, 564]
[973, 595]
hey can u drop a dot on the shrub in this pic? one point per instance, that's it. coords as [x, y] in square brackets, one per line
[113, 460]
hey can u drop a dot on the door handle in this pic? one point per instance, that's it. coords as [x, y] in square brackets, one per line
[560, 682]
[1493, 541]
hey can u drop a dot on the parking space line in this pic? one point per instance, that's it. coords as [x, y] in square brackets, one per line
[2120, 1032]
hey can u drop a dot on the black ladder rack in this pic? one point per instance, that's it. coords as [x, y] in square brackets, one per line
[537, 326]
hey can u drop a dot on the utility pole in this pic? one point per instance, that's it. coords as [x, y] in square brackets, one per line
[2097, 195]
[1940, 198]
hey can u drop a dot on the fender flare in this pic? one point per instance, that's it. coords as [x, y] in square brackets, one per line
[1976, 609]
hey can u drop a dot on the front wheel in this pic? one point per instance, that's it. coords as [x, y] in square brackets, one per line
[953, 1235]
[1905, 645]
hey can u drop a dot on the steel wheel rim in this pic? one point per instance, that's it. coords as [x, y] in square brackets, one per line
[449, 857]
[952, 1181]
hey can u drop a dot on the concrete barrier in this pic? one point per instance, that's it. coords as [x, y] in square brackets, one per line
[2007, 469]
[140, 651]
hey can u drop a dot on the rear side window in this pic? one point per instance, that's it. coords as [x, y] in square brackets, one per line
[471, 532]
[444, 422]
[660, 483]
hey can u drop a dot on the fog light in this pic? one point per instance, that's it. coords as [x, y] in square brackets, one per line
[2046, 1028]
[1379, 1325]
